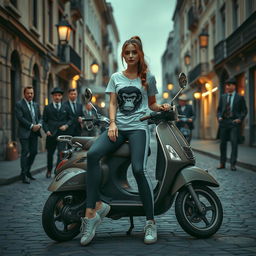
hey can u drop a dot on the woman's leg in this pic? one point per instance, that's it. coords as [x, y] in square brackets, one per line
[102, 146]
[92, 220]
[139, 145]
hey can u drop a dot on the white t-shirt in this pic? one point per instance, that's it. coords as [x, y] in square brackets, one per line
[132, 100]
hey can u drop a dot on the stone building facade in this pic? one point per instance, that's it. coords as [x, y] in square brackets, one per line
[30, 53]
[229, 26]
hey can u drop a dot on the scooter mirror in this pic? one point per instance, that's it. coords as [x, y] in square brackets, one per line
[182, 80]
[87, 95]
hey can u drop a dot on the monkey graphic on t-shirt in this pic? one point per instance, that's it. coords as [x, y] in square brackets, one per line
[129, 99]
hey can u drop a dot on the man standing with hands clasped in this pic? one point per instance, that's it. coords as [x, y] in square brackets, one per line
[231, 112]
[56, 121]
[75, 110]
[29, 117]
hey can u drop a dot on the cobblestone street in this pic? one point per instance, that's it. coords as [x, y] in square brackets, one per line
[22, 232]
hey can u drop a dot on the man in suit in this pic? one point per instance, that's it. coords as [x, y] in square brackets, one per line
[56, 121]
[231, 112]
[29, 117]
[186, 123]
[75, 110]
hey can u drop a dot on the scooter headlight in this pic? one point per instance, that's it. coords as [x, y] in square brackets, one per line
[173, 154]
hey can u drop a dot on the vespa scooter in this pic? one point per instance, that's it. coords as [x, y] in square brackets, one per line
[197, 207]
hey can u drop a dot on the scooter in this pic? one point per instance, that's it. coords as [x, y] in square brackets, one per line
[197, 208]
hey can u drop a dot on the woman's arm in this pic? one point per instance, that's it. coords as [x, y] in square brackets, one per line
[156, 107]
[112, 130]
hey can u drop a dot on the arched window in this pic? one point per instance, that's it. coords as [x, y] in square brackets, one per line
[36, 83]
[15, 91]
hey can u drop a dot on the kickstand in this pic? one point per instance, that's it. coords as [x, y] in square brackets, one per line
[131, 226]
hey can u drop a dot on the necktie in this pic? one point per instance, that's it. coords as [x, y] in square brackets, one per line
[32, 112]
[74, 107]
[57, 106]
[228, 106]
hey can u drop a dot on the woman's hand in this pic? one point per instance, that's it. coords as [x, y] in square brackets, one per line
[112, 132]
[165, 107]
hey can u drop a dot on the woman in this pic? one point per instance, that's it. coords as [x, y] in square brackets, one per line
[131, 93]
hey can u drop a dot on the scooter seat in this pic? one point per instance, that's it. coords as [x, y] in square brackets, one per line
[123, 151]
[85, 141]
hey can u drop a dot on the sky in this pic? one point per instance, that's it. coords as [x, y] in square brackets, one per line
[151, 20]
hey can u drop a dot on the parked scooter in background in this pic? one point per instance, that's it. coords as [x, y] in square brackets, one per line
[197, 208]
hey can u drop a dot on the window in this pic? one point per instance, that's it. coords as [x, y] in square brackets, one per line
[213, 21]
[14, 3]
[50, 21]
[223, 22]
[235, 14]
[34, 11]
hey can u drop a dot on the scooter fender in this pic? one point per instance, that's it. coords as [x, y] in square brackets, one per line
[69, 179]
[193, 174]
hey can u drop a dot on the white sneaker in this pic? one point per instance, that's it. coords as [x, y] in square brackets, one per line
[150, 232]
[104, 210]
[88, 228]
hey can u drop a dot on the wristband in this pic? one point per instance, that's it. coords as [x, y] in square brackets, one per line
[112, 121]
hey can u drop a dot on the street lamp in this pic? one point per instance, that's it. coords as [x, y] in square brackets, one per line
[197, 95]
[203, 39]
[64, 31]
[94, 68]
[170, 86]
[187, 59]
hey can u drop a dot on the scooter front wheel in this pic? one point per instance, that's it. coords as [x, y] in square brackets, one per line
[55, 225]
[199, 224]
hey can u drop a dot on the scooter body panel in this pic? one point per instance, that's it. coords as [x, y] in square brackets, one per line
[168, 135]
[69, 179]
[193, 174]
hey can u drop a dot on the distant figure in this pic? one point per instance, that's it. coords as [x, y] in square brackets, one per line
[231, 112]
[29, 117]
[89, 128]
[185, 124]
[56, 121]
[75, 110]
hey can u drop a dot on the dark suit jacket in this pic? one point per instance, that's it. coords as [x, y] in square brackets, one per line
[188, 112]
[239, 109]
[53, 119]
[24, 117]
[75, 129]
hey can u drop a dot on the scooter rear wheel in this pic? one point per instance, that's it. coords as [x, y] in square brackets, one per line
[55, 226]
[200, 225]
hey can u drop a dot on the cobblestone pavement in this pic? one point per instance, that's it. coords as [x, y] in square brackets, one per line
[22, 233]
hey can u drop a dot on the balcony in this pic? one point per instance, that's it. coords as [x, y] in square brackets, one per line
[192, 19]
[70, 64]
[76, 9]
[241, 37]
[201, 69]
[220, 52]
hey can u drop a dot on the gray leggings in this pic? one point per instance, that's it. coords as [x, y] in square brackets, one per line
[139, 145]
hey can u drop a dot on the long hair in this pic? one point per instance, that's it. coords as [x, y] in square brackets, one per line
[142, 65]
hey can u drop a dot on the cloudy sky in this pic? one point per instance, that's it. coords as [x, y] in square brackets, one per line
[149, 19]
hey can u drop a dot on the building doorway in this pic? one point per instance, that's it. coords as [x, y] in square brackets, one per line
[15, 91]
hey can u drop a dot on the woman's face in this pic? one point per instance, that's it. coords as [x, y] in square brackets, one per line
[131, 55]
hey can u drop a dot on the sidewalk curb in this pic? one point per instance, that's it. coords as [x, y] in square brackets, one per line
[241, 164]
[18, 177]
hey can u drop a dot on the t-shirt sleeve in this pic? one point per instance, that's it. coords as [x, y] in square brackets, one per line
[111, 85]
[152, 89]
